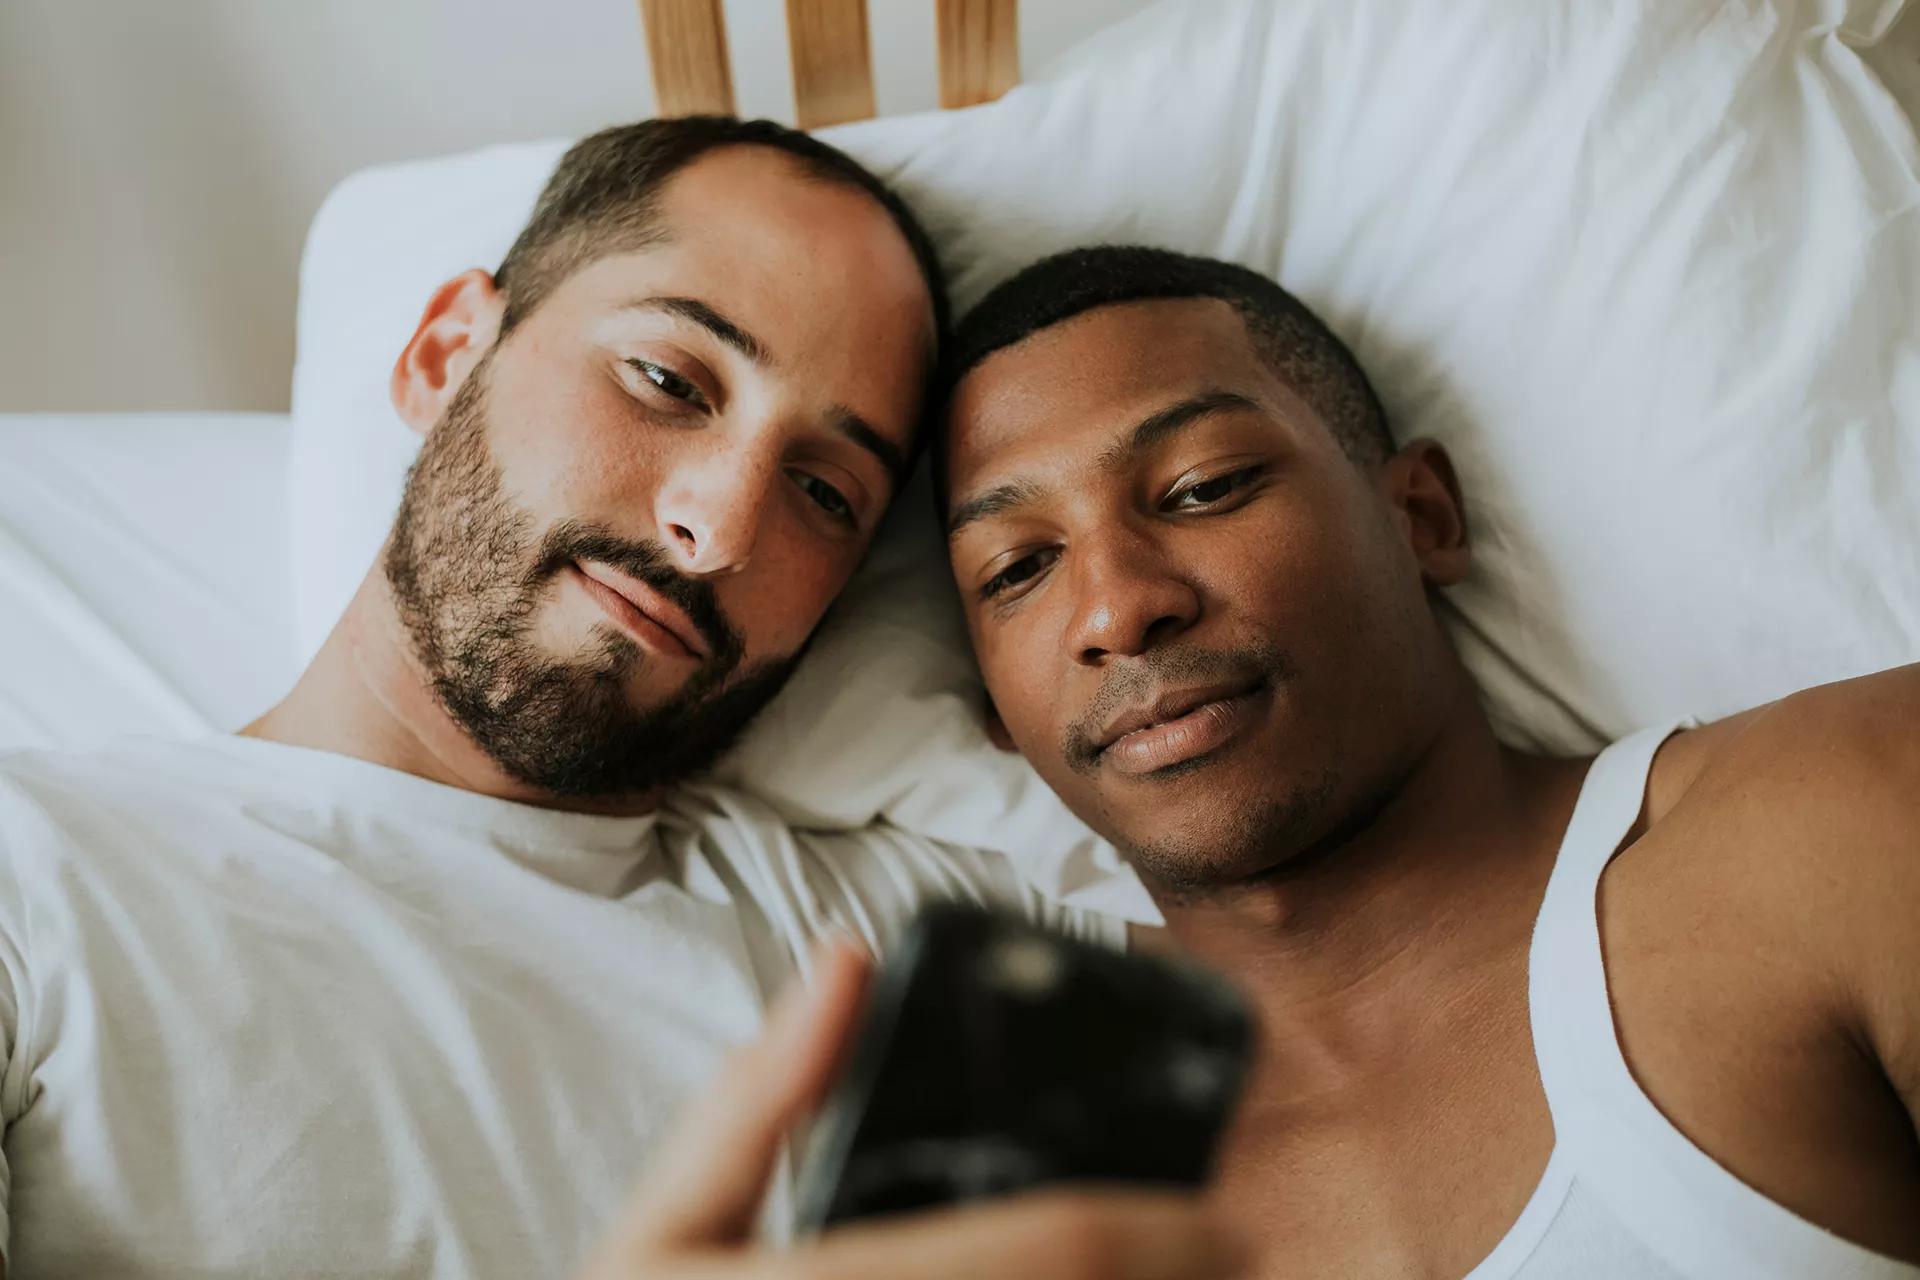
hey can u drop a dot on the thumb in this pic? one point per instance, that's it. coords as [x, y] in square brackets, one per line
[706, 1185]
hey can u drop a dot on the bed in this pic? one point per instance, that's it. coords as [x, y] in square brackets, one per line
[1647, 269]
[143, 562]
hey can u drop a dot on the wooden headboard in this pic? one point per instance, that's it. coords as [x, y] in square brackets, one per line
[832, 63]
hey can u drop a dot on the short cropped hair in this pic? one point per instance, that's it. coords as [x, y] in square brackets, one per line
[604, 199]
[1301, 351]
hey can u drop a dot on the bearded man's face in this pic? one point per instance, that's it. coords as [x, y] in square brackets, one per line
[469, 572]
[639, 502]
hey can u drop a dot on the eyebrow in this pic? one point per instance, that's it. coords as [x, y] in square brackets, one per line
[861, 432]
[845, 421]
[996, 501]
[1118, 456]
[707, 318]
[1166, 423]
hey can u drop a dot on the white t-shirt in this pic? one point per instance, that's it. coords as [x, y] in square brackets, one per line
[271, 1011]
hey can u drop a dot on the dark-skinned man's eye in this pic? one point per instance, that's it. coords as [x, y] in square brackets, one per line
[1211, 491]
[1013, 575]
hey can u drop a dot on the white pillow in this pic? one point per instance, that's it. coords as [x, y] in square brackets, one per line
[1646, 268]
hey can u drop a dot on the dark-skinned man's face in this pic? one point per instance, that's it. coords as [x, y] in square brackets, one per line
[1203, 622]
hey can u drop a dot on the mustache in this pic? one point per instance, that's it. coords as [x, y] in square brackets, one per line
[572, 540]
[1141, 677]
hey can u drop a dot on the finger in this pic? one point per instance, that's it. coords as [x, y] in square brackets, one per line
[1063, 1235]
[707, 1182]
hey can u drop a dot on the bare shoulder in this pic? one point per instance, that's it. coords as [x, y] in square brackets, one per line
[1817, 795]
[1854, 743]
[1800, 821]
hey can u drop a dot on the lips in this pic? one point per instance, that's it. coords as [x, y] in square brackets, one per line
[656, 612]
[1170, 704]
[1179, 725]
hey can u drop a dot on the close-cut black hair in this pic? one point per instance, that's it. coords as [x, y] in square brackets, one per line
[1301, 350]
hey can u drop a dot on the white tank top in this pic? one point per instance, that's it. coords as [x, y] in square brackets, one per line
[1625, 1195]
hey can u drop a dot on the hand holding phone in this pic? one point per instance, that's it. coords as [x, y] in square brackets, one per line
[692, 1218]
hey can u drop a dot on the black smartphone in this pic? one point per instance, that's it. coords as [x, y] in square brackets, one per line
[997, 1056]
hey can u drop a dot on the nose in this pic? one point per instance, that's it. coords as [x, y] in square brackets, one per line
[1128, 599]
[708, 511]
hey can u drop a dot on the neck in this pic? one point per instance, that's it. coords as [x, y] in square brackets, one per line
[366, 695]
[1350, 945]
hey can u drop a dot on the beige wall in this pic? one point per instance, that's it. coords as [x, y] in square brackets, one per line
[160, 159]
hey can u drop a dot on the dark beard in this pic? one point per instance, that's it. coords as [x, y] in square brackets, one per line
[467, 576]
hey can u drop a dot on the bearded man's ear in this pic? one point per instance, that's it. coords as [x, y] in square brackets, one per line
[460, 324]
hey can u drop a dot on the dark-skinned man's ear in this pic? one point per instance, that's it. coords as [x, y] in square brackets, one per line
[1424, 490]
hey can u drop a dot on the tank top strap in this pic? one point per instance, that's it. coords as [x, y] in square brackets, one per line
[1678, 1200]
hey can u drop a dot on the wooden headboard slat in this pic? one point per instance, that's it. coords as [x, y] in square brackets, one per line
[687, 46]
[832, 62]
[979, 50]
[831, 52]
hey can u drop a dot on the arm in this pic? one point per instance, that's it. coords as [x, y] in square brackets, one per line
[1834, 774]
[692, 1216]
[1879, 933]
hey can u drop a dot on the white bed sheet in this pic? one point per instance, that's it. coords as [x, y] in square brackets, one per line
[143, 574]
